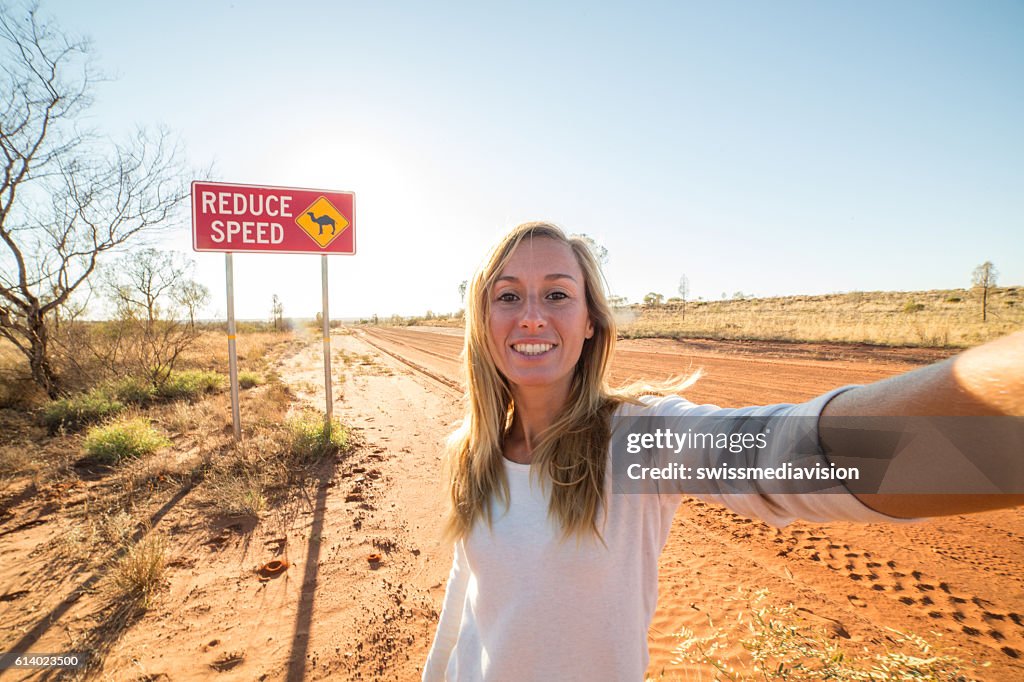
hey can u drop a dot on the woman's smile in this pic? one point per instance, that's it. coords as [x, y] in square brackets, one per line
[533, 349]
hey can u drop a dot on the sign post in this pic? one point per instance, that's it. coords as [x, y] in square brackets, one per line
[258, 219]
[236, 418]
[325, 317]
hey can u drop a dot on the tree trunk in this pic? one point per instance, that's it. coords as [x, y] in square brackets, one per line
[39, 362]
[984, 304]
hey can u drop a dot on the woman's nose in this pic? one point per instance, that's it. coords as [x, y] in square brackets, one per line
[533, 314]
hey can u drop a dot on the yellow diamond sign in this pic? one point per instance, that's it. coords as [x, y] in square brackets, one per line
[322, 222]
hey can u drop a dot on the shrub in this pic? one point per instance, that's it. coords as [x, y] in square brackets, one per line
[912, 307]
[128, 438]
[133, 391]
[307, 437]
[954, 299]
[190, 384]
[249, 379]
[76, 412]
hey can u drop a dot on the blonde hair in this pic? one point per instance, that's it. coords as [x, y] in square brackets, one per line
[572, 454]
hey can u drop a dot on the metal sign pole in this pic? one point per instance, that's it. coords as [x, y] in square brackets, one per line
[236, 420]
[325, 316]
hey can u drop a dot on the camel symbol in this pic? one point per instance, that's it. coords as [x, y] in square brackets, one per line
[321, 221]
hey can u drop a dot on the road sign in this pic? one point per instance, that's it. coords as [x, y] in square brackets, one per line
[258, 219]
[319, 215]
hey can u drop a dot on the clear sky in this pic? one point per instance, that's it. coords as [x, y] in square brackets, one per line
[771, 148]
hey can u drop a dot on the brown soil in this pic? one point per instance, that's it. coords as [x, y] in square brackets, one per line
[335, 613]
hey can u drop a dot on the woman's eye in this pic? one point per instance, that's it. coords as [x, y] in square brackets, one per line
[508, 297]
[558, 295]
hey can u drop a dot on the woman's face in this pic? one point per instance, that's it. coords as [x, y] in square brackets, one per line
[539, 318]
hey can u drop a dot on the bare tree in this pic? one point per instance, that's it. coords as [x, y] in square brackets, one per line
[684, 290]
[462, 289]
[66, 196]
[146, 288]
[145, 283]
[985, 276]
[192, 296]
[276, 312]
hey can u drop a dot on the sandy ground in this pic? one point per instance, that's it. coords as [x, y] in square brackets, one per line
[335, 614]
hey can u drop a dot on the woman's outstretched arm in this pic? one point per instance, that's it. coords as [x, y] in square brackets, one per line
[987, 380]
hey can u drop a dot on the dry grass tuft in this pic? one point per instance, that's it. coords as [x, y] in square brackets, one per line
[264, 409]
[249, 379]
[15, 461]
[139, 574]
[181, 417]
[310, 438]
[239, 480]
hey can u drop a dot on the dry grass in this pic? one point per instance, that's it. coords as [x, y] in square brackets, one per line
[180, 418]
[116, 528]
[255, 351]
[782, 645]
[259, 472]
[14, 461]
[17, 391]
[239, 481]
[139, 573]
[249, 380]
[950, 318]
[266, 408]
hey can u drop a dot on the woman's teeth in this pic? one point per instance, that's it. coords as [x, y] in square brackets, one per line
[533, 348]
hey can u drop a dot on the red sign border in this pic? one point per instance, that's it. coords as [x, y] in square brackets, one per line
[352, 222]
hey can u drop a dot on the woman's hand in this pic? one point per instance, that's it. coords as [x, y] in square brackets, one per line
[987, 380]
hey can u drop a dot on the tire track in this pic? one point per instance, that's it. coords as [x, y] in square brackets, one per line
[379, 341]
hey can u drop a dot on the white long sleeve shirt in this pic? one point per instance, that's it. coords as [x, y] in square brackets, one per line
[522, 604]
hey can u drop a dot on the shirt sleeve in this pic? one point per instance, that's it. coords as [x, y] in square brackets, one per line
[794, 440]
[450, 621]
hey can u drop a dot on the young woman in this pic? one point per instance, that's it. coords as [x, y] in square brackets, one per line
[555, 574]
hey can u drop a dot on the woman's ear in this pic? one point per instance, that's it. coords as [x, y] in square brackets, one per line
[590, 328]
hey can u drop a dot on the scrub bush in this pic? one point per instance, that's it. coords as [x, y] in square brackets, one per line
[116, 441]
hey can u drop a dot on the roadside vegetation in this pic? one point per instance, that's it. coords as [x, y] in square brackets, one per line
[950, 318]
[102, 465]
[940, 319]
